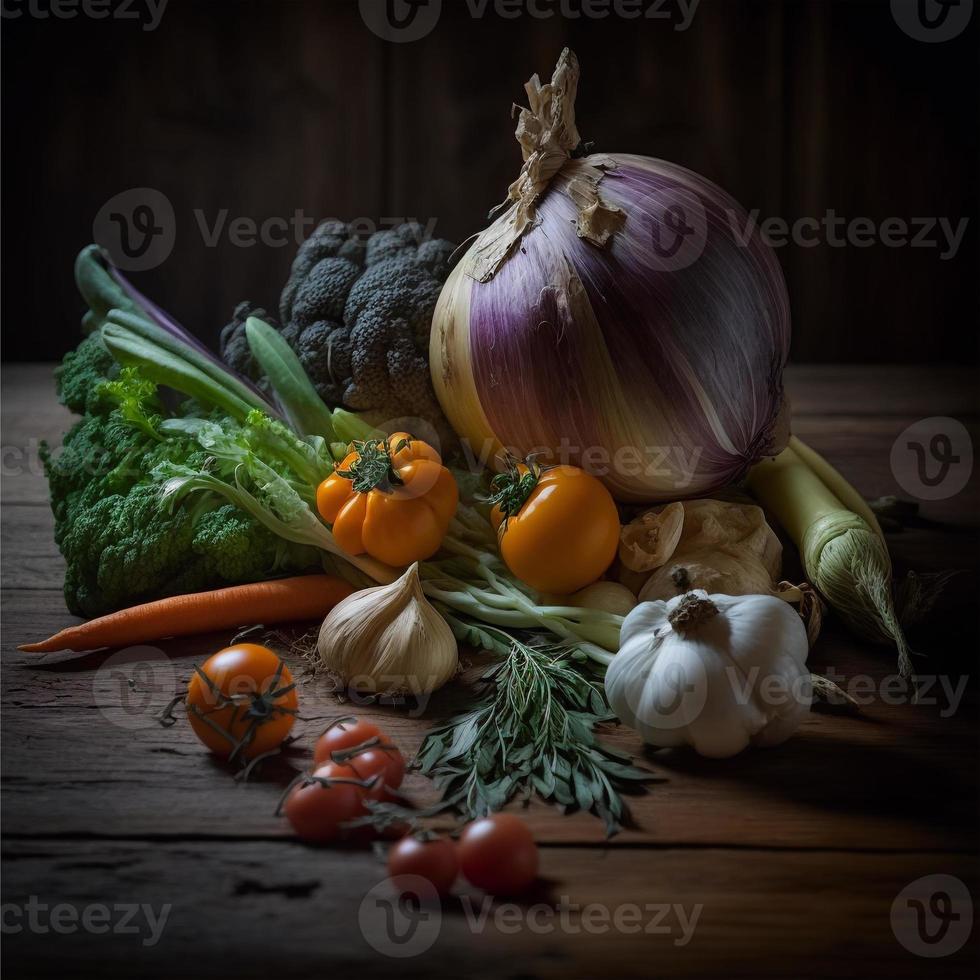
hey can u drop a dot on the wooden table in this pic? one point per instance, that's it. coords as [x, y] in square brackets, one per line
[786, 861]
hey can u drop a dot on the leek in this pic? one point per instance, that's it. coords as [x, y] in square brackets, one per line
[841, 545]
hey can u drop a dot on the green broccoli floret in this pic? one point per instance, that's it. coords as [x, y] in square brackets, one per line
[80, 375]
[358, 316]
[127, 548]
[121, 544]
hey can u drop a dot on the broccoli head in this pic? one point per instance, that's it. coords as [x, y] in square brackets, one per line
[121, 544]
[358, 314]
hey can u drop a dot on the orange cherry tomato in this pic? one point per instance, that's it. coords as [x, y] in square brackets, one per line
[498, 853]
[557, 527]
[390, 498]
[242, 701]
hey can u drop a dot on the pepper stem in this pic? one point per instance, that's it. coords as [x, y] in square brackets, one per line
[373, 468]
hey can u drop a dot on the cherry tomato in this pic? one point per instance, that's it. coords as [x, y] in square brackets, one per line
[557, 527]
[317, 811]
[343, 734]
[383, 757]
[434, 860]
[384, 760]
[237, 711]
[391, 498]
[498, 853]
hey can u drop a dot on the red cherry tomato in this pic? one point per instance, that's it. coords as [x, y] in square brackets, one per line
[317, 811]
[383, 760]
[343, 734]
[434, 860]
[498, 853]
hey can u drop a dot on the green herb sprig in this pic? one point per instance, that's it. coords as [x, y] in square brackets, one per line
[532, 730]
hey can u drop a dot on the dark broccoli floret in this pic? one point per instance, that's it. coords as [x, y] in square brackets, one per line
[358, 316]
[323, 293]
[235, 351]
[324, 351]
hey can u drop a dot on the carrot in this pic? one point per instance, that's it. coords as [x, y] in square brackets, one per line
[276, 601]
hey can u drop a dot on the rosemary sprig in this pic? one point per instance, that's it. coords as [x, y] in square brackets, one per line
[531, 730]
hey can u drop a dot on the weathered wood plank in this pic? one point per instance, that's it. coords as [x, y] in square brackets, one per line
[253, 909]
[841, 779]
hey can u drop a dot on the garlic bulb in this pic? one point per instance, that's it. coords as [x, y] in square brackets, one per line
[716, 672]
[389, 640]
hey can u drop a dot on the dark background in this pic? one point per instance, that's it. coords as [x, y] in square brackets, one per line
[262, 108]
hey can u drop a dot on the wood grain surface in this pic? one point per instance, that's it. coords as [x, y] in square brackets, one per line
[793, 855]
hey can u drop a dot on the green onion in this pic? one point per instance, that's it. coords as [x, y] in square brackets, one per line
[304, 408]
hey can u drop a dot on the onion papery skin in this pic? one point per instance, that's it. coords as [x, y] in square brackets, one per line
[664, 382]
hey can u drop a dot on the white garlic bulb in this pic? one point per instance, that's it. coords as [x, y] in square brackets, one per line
[389, 640]
[716, 672]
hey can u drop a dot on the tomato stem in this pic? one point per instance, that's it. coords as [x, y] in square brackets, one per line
[512, 488]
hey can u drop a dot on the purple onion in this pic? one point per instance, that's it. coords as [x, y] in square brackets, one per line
[650, 352]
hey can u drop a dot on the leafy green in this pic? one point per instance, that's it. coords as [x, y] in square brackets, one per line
[532, 729]
[122, 542]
